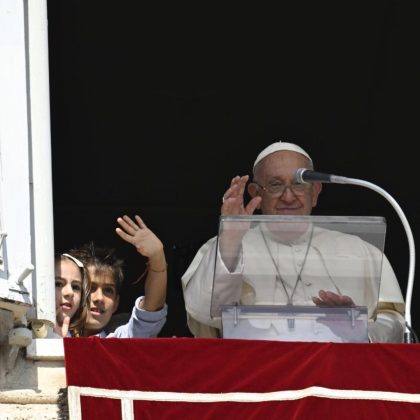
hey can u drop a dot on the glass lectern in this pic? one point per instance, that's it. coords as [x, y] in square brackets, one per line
[298, 278]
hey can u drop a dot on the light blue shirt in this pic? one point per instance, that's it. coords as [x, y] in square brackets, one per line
[142, 323]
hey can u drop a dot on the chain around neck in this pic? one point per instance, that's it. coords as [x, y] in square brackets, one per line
[299, 275]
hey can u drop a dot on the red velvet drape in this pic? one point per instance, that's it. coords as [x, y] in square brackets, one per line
[217, 366]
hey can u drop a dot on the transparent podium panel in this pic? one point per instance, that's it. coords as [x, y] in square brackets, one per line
[322, 266]
[295, 323]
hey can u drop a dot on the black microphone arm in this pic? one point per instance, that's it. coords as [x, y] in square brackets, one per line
[304, 175]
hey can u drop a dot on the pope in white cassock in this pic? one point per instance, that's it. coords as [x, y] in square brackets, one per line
[301, 263]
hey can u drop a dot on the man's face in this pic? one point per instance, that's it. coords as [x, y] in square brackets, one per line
[104, 301]
[279, 168]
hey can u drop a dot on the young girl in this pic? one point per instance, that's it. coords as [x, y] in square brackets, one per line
[71, 296]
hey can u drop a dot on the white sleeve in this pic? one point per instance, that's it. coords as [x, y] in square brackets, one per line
[197, 284]
[390, 291]
[388, 327]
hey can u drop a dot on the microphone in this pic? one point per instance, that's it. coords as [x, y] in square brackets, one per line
[305, 176]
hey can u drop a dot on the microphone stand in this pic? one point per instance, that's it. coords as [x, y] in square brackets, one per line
[408, 334]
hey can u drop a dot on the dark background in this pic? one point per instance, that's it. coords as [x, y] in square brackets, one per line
[154, 111]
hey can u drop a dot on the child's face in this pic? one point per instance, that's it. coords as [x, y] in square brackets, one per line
[68, 289]
[104, 301]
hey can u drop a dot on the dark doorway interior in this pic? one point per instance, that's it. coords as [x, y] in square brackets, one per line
[153, 112]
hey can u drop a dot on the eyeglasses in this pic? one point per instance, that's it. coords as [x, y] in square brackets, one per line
[276, 188]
